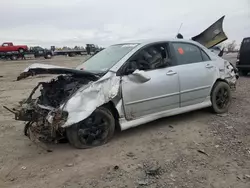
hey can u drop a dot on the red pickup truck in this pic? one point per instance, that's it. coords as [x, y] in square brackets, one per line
[9, 47]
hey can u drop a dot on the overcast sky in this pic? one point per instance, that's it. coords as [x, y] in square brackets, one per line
[104, 22]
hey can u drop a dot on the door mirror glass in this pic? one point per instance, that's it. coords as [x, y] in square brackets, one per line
[141, 76]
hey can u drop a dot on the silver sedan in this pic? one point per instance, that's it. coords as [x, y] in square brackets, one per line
[123, 86]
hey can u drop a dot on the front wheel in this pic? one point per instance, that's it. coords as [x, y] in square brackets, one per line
[95, 130]
[221, 97]
[13, 57]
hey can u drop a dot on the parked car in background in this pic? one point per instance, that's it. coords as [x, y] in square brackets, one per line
[123, 86]
[243, 59]
[9, 47]
[41, 52]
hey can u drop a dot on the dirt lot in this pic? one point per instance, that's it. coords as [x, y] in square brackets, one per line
[197, 149]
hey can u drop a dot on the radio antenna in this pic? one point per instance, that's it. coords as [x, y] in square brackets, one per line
[179, 30]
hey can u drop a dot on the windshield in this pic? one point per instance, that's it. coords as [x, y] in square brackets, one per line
[107, 58]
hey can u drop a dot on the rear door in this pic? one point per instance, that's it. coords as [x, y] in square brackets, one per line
[196, 73]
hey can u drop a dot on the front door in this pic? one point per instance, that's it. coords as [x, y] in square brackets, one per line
[158, 93]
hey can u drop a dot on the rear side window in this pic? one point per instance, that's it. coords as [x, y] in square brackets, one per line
[205, 57]
[187, 53]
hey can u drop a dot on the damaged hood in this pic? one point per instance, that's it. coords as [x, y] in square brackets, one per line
[84, 91]
[37, 68]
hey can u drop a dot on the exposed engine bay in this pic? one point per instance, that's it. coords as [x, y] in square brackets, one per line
[55, 92]
[38, 112]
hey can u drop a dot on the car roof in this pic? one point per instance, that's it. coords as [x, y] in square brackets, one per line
[150, 41]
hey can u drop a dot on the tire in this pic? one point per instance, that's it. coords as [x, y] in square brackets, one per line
[13, 57]
[244, 72]
[221, 97]
[48, 56]
[20, 50]
[72, 54]
[80, 135]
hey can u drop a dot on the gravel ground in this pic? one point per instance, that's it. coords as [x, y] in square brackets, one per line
[197, 149]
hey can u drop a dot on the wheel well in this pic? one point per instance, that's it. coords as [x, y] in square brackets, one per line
[110, 105]
[218, 80]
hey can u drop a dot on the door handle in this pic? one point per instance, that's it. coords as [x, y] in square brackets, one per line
[209, 66]
[171, 72]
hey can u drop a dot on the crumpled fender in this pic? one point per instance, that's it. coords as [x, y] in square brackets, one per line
[90, 97]
[229, 74]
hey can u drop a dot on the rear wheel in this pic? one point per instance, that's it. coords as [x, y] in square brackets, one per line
[48, 56]
[221, 97]
[20, 50]
[72, 54]
[96, 130]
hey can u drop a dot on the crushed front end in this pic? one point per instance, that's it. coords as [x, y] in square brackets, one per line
[44, 115]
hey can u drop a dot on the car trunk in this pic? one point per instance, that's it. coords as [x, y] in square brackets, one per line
[213, 35]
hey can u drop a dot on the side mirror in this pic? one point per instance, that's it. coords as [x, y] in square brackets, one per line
[141, 76]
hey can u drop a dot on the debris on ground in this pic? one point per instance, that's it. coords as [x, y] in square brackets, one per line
[70, 165]
[130, 154]
[247, 176]
[142, 182]
[116, 167]
[12, 179]
[152, 168]
[23, 167]
[222, 115]
[202, 151]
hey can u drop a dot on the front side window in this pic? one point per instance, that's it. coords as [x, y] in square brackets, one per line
[187, 53]
[107, 58]
[149, 58]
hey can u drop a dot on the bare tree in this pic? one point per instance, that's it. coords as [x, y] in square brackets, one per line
[231, 46]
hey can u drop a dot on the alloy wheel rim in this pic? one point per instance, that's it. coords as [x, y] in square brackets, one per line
[93, 130]
[222, 98]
